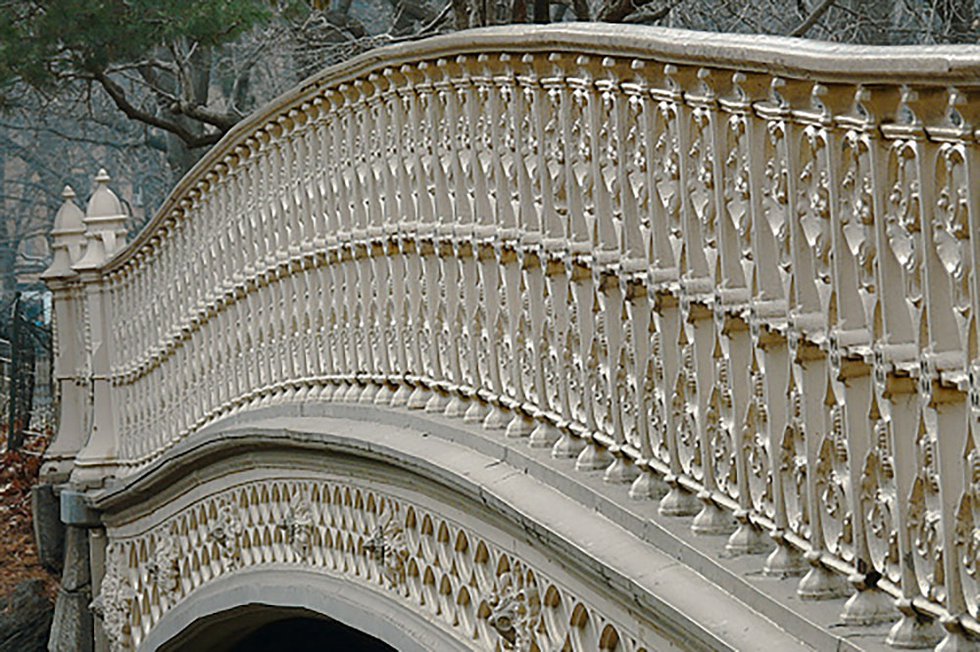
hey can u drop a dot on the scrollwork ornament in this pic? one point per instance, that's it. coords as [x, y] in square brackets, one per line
[775, 190]
[515, 611]
[756, 454]
[114, 602]
[830, 488]
[225, 531]
[966, 538]
[878, 501]
[924, 524]
[737, 186]
[902, 218]
[297, 524]
[793, 468]
[701, 184]
[388, 548]
[163, 567]
[857, 205]
[951, 229]
[721, 455]
[666, 155]
[813, 202]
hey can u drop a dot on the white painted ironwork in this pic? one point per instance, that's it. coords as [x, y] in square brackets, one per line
[744, 289]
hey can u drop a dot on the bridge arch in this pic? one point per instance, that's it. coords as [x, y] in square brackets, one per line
[257, 598]
[432, 530]
[657, 275]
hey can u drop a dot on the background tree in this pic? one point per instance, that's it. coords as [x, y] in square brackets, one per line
[189, 71]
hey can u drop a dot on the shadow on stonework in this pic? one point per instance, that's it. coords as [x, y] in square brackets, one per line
[274, 630]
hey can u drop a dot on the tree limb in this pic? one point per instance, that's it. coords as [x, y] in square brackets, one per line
[431, 27]
[812, 19]
[619, 11]
[118, 97]
[186, 107]
[645, 15]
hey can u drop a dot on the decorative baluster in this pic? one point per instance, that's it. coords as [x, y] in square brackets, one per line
[772, 282]
[436, 242]
[364, 238]
[381, 232]
[510, 179]
[415, 245]
[301, 332]
[671, 308]
[744, 412]
[714, 356]
[811, 242]
[605, 336]
[350, 212]
[579, 341]
[853, 218]
[453, 201]
[962, 166]
[947, 259]
[464, 111]
[634, 124]
[530, 356]
[612, 103]
[484, 126]
[541, 97]
[401, 238]
[307, 185]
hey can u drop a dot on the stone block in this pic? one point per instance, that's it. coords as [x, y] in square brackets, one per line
[76, 574]
[75, 510]
[49, 531]
[71, 628]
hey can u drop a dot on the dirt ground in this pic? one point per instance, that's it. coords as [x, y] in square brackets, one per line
[18, 473]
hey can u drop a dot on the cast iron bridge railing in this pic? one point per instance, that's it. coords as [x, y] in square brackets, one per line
[737, 274]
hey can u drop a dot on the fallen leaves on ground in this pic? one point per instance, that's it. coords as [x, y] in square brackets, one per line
[18, 473]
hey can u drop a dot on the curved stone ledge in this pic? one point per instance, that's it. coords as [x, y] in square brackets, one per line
[286, 587]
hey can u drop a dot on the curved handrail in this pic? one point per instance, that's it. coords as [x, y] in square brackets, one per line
[735, 273]
[780, 56]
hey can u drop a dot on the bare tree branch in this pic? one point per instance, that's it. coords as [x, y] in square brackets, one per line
[812, 19]
[617, 11]
[646, 15]
[118, 97]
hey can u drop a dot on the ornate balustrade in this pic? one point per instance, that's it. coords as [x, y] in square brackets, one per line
[735, 274]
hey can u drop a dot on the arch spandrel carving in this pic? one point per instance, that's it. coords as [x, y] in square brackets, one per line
[435, 559]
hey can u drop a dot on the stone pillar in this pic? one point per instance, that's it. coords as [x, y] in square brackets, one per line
[68, 238]
[73, 627]
[105, 227]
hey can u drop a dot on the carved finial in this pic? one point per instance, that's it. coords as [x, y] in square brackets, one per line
[68, 236]
[105, 224]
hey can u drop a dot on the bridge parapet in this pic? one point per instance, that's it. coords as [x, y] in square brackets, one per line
[734, 274]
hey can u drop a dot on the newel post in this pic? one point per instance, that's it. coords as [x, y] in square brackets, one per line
[105, 232]
[68, 243]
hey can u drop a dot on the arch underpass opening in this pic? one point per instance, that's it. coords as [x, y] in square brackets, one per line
[256, 628]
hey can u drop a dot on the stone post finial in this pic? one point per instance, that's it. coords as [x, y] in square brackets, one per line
[105, 223]
[68, 237]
